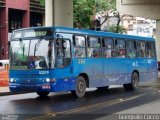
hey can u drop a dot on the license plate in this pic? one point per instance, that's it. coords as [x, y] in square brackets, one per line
[46, 86]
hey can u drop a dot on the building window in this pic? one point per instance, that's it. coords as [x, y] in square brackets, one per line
[15, 19]
[36, 19]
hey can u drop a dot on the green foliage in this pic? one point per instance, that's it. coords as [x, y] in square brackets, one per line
[105, 5]
[42, 2]
[82, 11]
[113, 28]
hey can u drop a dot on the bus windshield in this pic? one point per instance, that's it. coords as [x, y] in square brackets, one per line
[31, 54]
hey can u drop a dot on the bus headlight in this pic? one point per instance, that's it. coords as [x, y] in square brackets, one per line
[11, 80]
[48, 80]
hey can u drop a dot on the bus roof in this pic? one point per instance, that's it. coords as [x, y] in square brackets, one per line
[101, 33]
[90, 32]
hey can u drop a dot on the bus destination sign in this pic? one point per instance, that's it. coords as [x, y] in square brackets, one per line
[32, 33]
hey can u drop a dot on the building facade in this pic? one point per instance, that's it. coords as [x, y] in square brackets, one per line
[15, 14]
[138, 26]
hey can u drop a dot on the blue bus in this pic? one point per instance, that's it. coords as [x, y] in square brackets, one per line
[54, 59]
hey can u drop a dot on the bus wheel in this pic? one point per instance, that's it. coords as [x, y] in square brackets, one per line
[102, 88]
[134, 82]
[80, 87]
[43, 94]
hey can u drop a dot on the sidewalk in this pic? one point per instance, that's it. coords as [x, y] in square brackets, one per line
[142, 112]
[150, 108]
[4, 89]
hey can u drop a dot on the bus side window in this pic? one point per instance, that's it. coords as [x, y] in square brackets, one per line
[79, 47]
[94, 45]
[141, 49]
[107, 44]
[130, 49]
[150, 50]
[120, 48]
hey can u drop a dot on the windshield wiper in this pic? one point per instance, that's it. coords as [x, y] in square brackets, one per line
[37, 45]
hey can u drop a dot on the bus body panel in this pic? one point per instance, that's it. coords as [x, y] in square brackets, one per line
[152, 69]
[64, 78]
[118, 70]
[92, 67]
[139, 66]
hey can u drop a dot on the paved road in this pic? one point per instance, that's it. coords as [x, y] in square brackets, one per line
[94, 105]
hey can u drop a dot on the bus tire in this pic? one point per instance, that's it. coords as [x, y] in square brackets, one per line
[134, 82]
[80, 87]
[43, 94]
[102, 88]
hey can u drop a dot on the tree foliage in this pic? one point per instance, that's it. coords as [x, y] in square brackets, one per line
[42, 2]
[82, 11]
[121, 29]
[105, 5]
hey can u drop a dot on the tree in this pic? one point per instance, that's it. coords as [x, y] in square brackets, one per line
[106, 9]
[82, 11]
[121, 29]
[85, 9]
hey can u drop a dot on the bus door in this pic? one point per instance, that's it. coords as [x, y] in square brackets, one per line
[63, 66]
[152, 62]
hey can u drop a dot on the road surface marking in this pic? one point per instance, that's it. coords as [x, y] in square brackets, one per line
[120, 100]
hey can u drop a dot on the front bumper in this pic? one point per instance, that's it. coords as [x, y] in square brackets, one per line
[30, 88]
